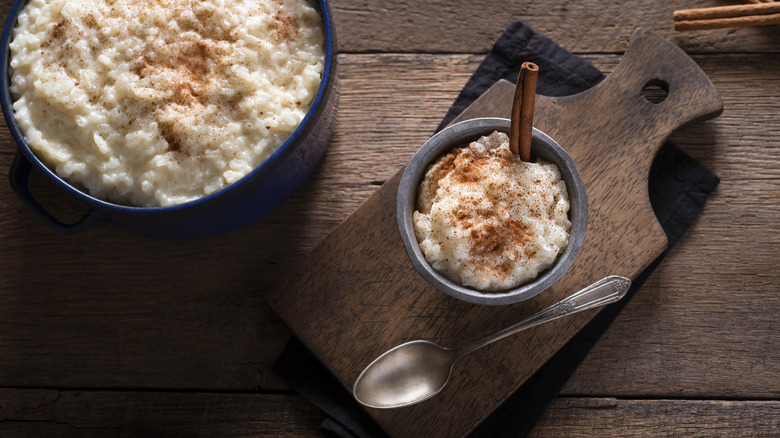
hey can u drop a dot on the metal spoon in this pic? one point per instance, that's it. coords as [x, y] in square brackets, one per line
[418, 370]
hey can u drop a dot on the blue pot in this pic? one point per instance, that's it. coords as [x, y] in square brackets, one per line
[239, 204]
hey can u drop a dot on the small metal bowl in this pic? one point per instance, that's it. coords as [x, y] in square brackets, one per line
[542, 146]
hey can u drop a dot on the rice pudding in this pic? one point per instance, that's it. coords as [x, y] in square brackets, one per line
[487, 220]
[153, 103]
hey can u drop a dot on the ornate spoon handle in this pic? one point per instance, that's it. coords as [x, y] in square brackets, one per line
[605, 291]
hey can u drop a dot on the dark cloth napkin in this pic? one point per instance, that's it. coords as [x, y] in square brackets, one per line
[679, 187]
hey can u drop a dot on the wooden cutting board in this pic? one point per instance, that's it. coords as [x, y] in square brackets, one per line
[356, 295]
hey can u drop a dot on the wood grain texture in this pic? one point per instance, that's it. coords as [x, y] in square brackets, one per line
[357, 288]
[47, 413]
[589, 26]
[50, 413]
[588, 417]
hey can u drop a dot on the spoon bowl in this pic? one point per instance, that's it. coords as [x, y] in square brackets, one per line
[407, 374]
[417, 370]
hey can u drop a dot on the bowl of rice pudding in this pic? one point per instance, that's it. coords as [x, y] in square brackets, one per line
[168, 119]
[483, 226]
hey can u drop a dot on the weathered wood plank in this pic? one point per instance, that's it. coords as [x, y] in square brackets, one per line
[159, 314]
[50, 413]
[717, 289]
[46, 413]
[588, 417]
[589, 26]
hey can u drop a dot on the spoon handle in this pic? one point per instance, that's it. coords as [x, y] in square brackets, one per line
[605, 291]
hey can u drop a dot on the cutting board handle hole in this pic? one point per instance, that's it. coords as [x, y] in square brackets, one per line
[655, 91]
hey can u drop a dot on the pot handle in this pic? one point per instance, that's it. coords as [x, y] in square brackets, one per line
[19, 176]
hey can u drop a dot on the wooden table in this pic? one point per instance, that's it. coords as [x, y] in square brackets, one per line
[108, 334]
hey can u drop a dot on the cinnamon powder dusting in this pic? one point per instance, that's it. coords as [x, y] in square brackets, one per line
[494, 238]
[157, 103]
[487, 219]
[284, 27]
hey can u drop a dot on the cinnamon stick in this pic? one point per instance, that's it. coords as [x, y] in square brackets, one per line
[759, 1]
[522, 119]
[752, 14]
[731, 11]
